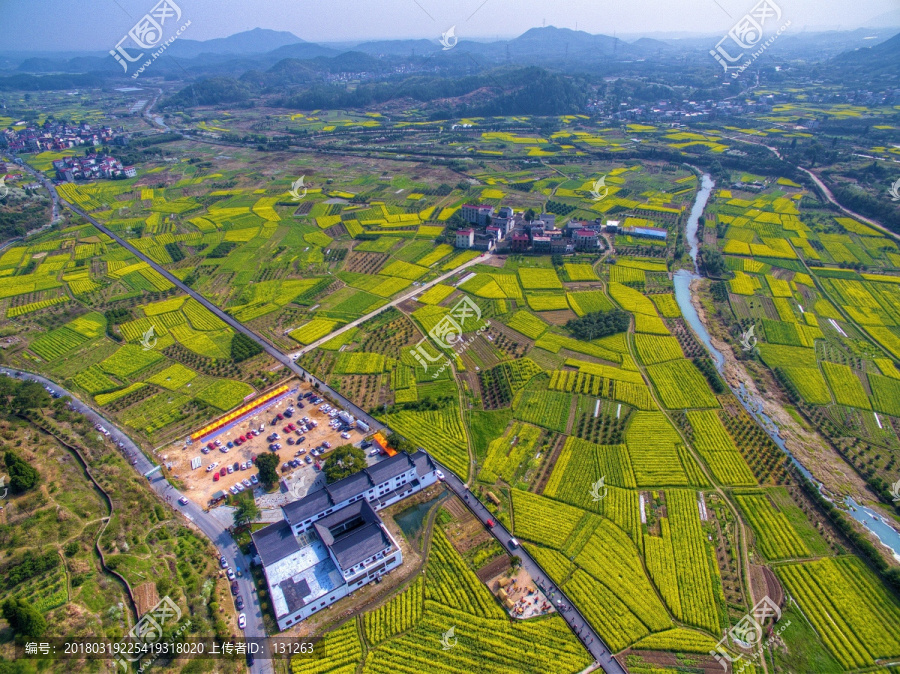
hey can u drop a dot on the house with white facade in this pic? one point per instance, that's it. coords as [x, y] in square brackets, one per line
[332, 541]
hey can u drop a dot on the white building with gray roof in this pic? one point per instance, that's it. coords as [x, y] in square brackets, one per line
[332, 541]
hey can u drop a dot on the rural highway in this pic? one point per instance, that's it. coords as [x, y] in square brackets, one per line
[229, 320]
[577, 622]
[824, 189]
[422, 288]
[211, 527]
[217, 533]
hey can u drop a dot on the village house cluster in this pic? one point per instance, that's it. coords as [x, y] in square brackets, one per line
[507, 231]
[91, 167]
[55, 136]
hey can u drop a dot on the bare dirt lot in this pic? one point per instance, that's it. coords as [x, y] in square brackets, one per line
[199, 484]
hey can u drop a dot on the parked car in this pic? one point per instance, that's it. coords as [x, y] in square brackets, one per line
[439, 475]
[290, 441]
[247, 483]
[254, 479]
[242, 620]
[230, 470]
[280, 417]
[223, 562]
[230, 574]
[308, 459]
[302, 438]
[237, 465]
[239, 603]
[215, 477]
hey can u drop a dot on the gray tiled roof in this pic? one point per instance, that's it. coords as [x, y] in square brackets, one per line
[308, 506]
[391, 467]
[423, 462]
[350, 486]
[359, 544]
[275, 542]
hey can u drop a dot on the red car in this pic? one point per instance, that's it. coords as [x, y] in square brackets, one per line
[243, 439]
[210, 446]
[280, 418]
[215, 477]
[490, 522]
[223, 472]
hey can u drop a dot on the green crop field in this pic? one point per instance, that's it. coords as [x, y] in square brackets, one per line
[129, 360]
[580, 272]
[506, 453]
[857, 619]
[680, 385]
[775, 536]
[538, 279]
[654, 349]
[359, 363]
[588, 302]
[549, 409]
[718, 450]
[528, 324]
[846, 386]
[439, 432]
[653, 446]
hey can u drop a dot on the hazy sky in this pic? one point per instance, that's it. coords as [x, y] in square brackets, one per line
[98, 24]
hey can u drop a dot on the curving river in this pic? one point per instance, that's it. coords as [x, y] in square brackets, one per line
[682, 281]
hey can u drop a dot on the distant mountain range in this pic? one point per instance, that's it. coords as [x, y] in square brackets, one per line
[260, 50]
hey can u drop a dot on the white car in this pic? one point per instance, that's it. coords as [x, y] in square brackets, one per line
[212, 466]
[242, 620]
[439, 475]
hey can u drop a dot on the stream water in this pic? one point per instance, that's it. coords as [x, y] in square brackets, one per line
[682, 281]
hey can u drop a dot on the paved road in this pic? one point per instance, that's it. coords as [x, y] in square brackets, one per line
[228, 319]
[218, 534]
[577, 622]
[828, 195]
[422, 288]
[209, 525]
[824, 188]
